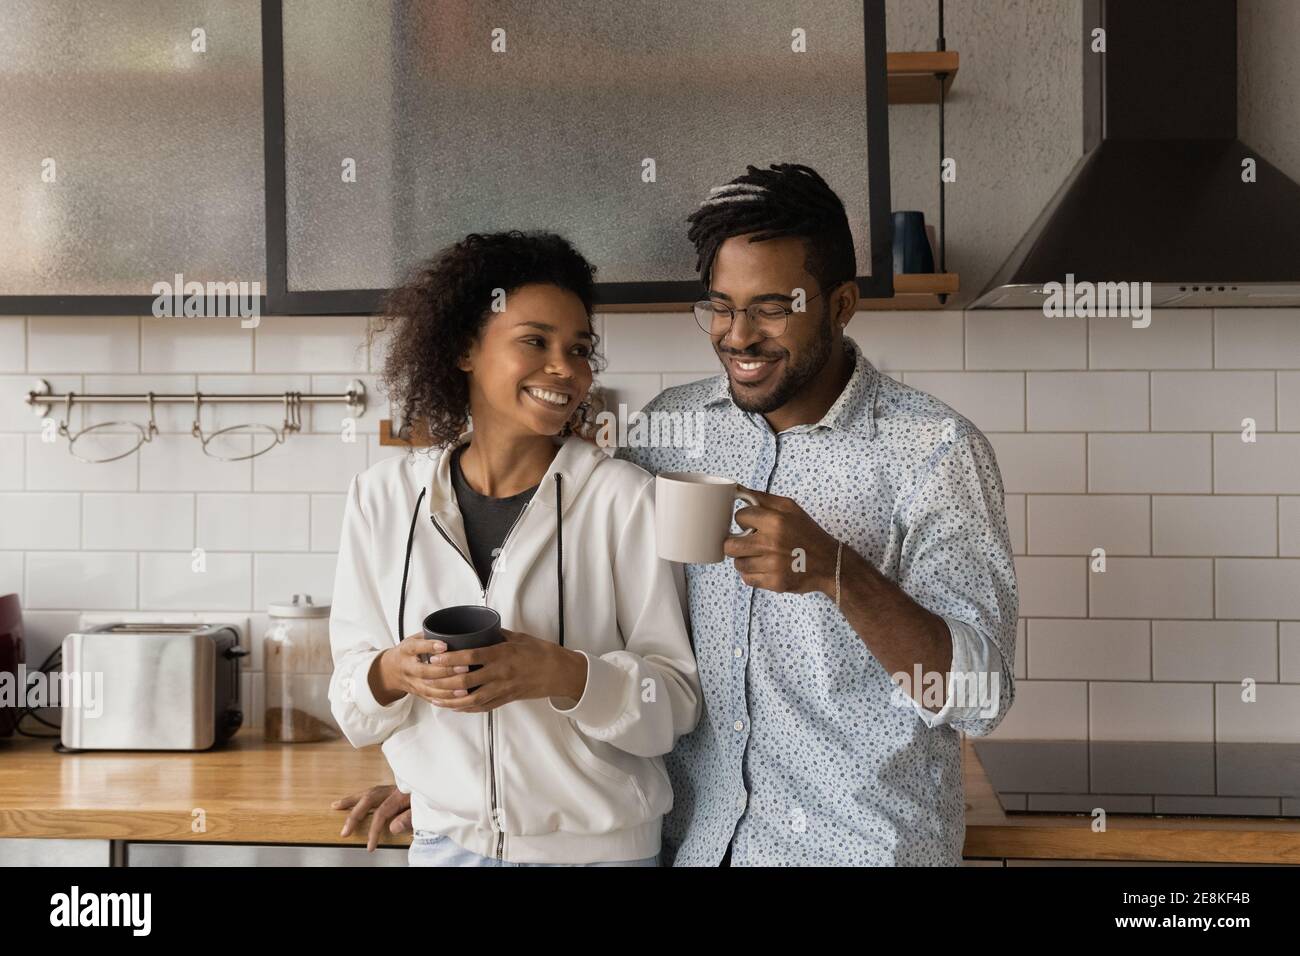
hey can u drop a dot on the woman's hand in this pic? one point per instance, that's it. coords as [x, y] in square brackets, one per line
[399, 670]
[389, 804]
[522, 667]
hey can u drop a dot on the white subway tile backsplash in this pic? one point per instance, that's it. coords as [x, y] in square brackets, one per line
[44, 631]
[82, 344]
[12, 457]
[1052, 587]
[218, 415]
[168, 416]
[190, 345]
[315, 344]
[1019, 339]
[277, 577]
[1089, 650]
[178, 463]
[1214, 525]
[13, 343]
[138, 522]
[253, 522]
[1046, 710]
[51, 467]
[1212, 401]
[633, 390]
[1149, 463]
[1288, 401]
[1288, 652]
[1214, 650]
[1022, 650]
[72, 580]
[179, 580]
[1145, 711]
[994, 401]
[331, 417]
[11, 576]
[376, 452]
[1152, 587]
[310, 463]
[1273, 716]
[326, 521]
[1015, 510]
[17, 416]
[1257, 338]
[1176, 338]
[1288, 526]
[1076, 524]
[1086, 401]
[1257, 588]
[894, 341]
[655, 342]
[1040, 463]
[1268, 465]
[1106, 437]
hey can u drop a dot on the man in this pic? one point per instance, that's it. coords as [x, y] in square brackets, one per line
[804, 754]
[879, 548]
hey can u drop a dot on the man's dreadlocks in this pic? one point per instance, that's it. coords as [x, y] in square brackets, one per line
[786, 199]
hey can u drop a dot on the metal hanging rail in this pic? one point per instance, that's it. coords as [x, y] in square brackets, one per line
[42, 400]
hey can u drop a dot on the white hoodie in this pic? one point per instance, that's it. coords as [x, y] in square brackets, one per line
[533, 781]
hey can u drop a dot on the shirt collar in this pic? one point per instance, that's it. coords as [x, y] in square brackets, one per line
[854, 410]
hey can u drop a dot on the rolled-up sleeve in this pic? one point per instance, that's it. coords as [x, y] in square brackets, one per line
[956, 562]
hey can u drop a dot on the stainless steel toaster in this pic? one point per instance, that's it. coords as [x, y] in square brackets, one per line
[138, 686]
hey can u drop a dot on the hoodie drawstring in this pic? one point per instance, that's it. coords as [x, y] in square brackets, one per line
[559, 552]
[406, 568]
[559, 559]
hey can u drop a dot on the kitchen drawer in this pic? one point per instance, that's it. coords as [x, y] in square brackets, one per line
[20, 851]
[223, 854]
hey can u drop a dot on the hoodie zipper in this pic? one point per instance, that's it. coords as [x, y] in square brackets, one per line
[492, 767]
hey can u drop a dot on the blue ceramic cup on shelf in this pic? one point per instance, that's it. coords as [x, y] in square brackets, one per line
[912, 252]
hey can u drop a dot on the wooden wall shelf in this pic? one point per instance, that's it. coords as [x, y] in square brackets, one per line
[913, 76]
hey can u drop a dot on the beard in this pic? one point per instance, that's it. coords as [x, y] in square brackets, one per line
[795, 377]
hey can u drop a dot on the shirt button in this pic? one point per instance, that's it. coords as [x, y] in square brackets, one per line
[739, 725]
[738, 652]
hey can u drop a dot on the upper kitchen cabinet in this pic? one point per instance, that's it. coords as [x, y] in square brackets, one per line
[131, 150]
[409, 124]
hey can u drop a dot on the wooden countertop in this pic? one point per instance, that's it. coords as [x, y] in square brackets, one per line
[249, 791]
[254, 792]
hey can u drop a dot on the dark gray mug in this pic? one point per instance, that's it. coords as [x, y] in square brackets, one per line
[462, 628]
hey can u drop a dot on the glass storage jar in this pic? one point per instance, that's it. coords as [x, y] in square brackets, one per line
[297, 665]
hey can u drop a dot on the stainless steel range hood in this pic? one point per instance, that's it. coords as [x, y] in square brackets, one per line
[1160, 197]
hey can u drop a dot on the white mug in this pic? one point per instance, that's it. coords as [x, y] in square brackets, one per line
[693, 515]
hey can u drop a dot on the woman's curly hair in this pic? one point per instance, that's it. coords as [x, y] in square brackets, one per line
[437, 314]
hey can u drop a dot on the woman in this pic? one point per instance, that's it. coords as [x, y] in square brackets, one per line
[550, 750]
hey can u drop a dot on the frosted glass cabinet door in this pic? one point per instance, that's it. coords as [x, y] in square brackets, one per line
[409, 123]
[128, 154]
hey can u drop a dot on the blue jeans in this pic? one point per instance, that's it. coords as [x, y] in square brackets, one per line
[434, 849]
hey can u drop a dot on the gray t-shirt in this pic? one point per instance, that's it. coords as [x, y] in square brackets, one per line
[487, 520]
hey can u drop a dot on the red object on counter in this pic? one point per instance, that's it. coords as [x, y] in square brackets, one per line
[11, 655]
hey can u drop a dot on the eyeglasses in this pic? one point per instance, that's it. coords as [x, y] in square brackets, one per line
[770, 318]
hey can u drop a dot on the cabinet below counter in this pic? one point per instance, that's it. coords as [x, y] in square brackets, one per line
[251, 792]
